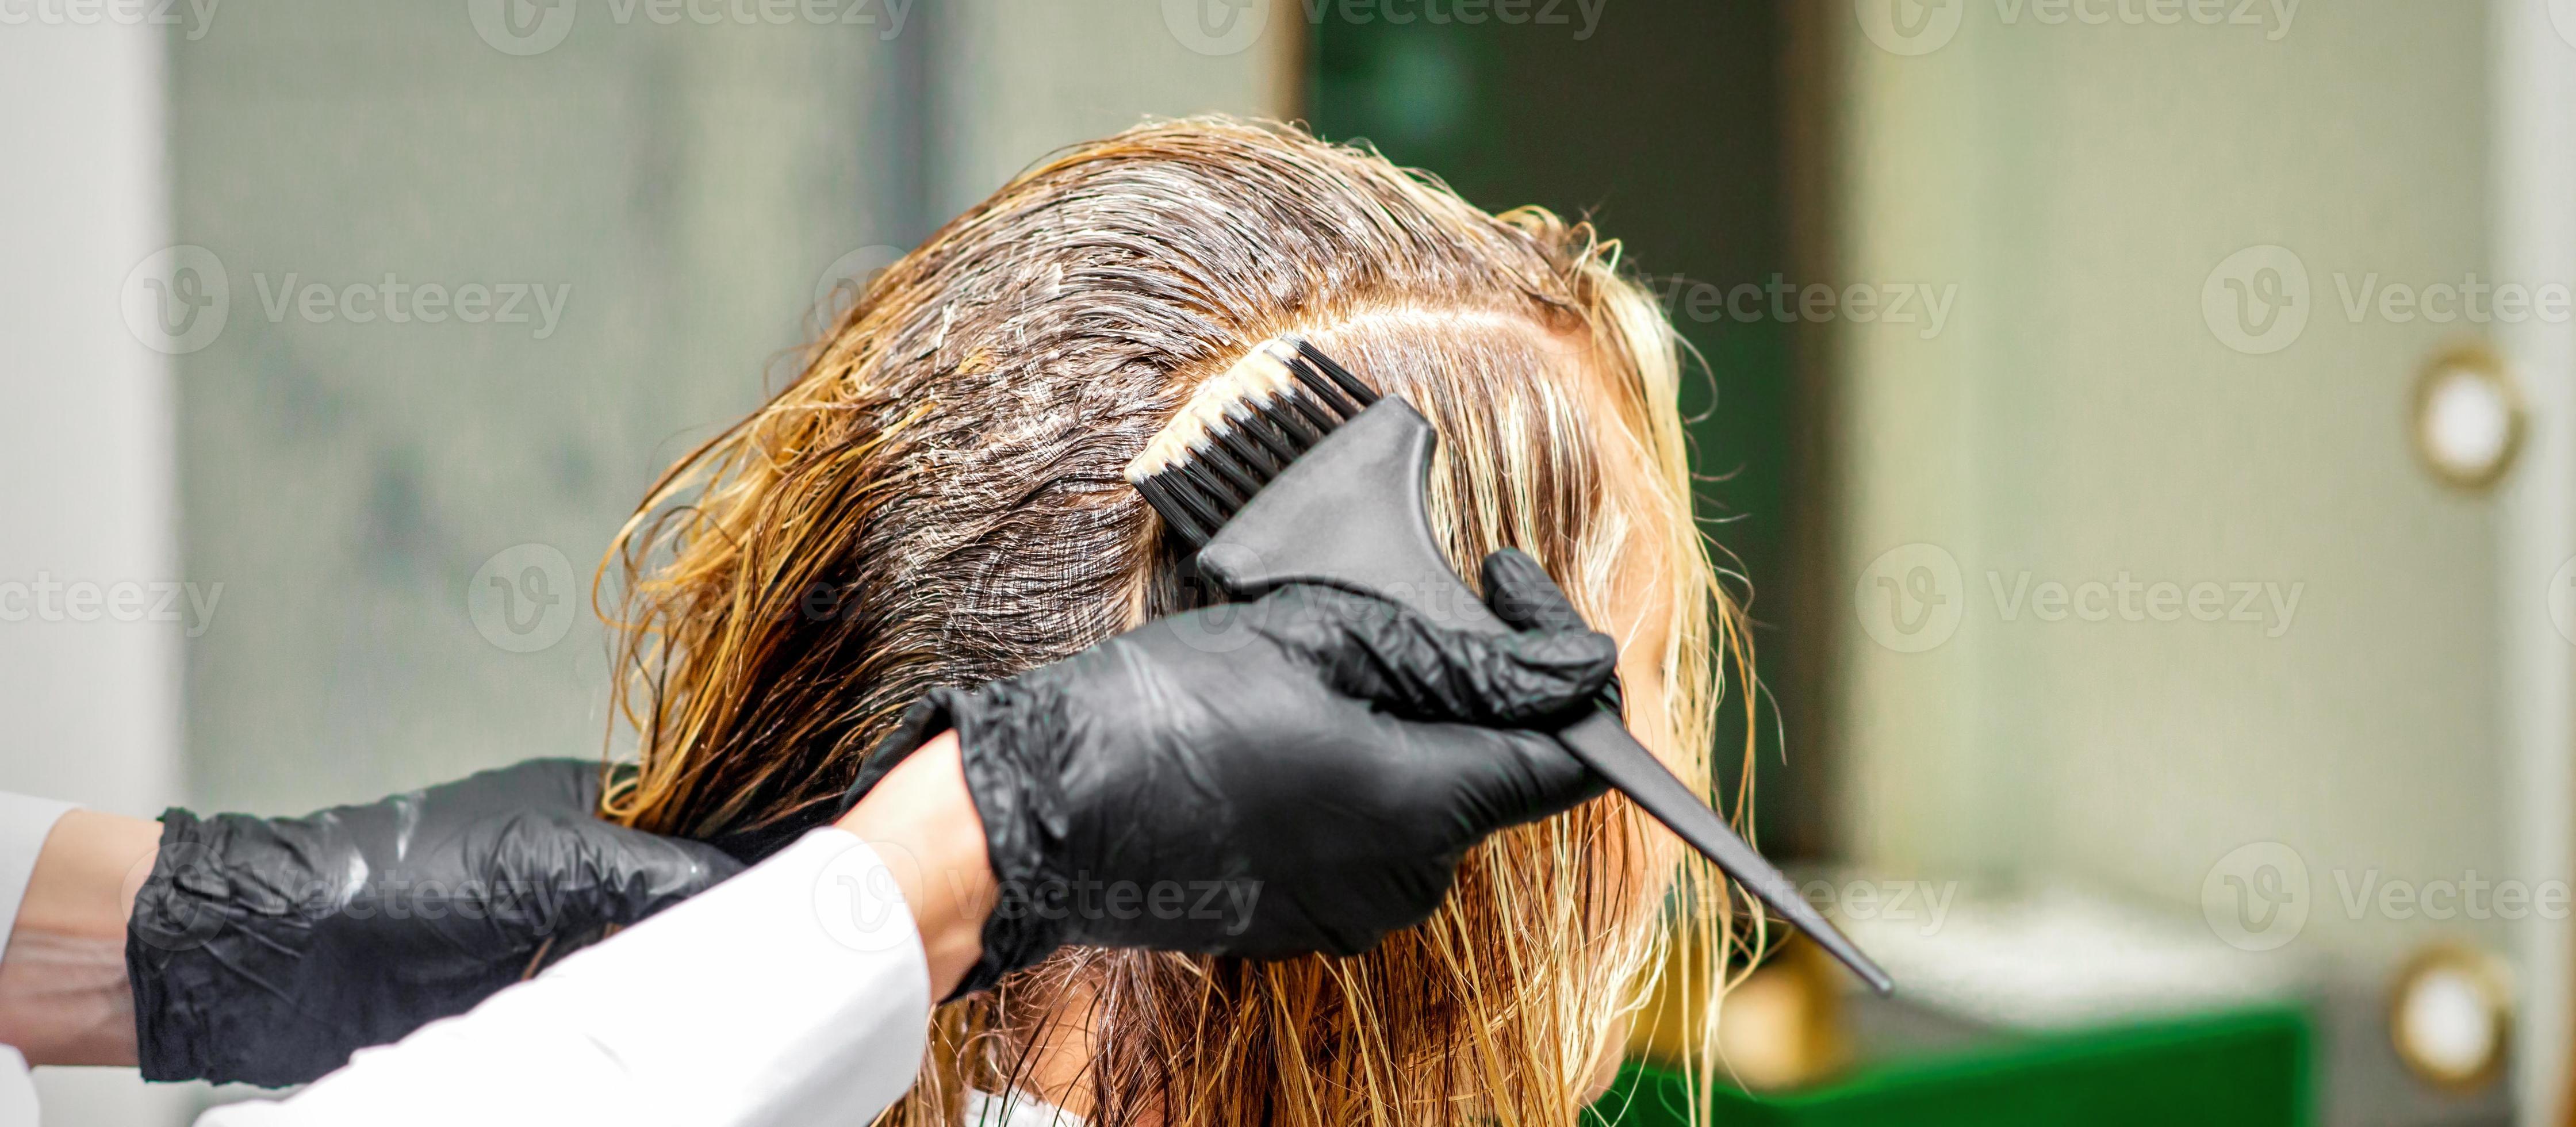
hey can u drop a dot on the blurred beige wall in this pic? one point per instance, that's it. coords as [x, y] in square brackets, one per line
[2079, 420]
[406, 515]
[2123, 393]
[667, 194]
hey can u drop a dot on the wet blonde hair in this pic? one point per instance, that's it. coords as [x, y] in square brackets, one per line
[937, 500]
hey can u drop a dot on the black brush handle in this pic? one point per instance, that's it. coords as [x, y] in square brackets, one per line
[1350, 513]
[1603, 743]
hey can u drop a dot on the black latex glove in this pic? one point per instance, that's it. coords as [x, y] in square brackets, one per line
[265, 951]
[1298, 774]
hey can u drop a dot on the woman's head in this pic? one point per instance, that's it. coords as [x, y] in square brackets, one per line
[937, 500]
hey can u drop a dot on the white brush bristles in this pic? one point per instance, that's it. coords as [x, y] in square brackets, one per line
[1219, 404]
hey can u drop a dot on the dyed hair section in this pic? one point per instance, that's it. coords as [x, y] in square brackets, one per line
[937, 500]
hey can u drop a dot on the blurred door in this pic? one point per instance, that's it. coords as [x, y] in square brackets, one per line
[2201, 265]
[1666, 124]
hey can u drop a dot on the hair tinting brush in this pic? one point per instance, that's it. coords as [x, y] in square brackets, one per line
[1289, 469]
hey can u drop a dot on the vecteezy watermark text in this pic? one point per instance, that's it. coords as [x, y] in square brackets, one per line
[185, 922]
[179, 299]
[1780, 300]
[2259, 300]
[774, 13]
[2472, 300]
[1921, 902]
[401, 303]
[534, 27]
[1230, 27]
[2130, 600]
[858, 898]
[2260, 896]
[46, 599]
[1581, 15]
[1227, 903]
[198, 15]
[1913, 597]
[1920, 27]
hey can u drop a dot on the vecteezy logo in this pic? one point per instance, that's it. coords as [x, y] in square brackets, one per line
[1216, 27]
[2562, 600]
[521, 27]
[2562, 16]
[860, 905]
[2256, 300]
[1911, 598]
[847, 279]
[522, 598]
[174, 923]
[176, 300]
[2256, 897]
[1909, 27]
[1224, 627]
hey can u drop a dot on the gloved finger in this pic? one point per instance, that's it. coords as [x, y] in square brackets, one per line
[1520, 593]
[585, 873]
[1391, 656]
[658, 871]
[1498, 777]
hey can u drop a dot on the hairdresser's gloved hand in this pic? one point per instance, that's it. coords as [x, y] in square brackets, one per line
[1298, 774]
[267, 950]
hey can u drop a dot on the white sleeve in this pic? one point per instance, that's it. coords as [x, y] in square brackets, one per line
[17, 1089]
[793, 994]
[24, 822]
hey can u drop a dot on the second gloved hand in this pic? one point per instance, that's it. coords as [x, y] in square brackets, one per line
[266, 950]
[1298, 774]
